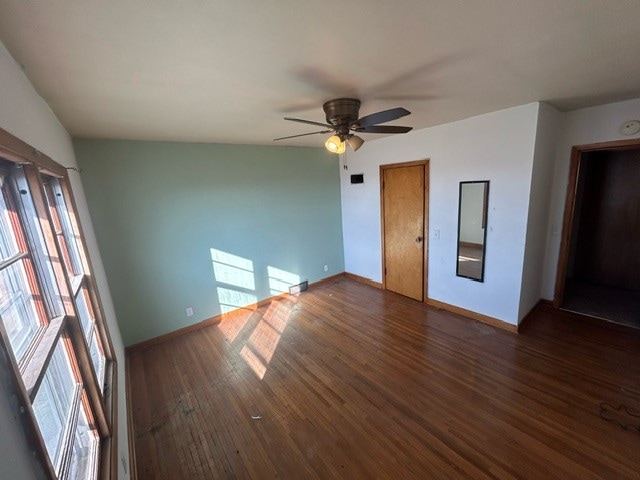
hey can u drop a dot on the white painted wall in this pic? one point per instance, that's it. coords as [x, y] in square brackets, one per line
[580, 127]
[26, 115]
[547, 131]
[498, 147]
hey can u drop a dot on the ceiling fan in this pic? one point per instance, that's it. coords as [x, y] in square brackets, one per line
[342, 120]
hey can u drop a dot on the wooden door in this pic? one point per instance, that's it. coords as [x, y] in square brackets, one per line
[403, 223]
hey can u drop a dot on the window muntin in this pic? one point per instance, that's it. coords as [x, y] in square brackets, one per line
[90, 332]
[69, 239]
[21, 307]
[8, 243]
[54, 403]
[97, 358]
[85, 314]
[91, 336]
[33, 241]
[85, 448]
[18, 308]
[70, 244]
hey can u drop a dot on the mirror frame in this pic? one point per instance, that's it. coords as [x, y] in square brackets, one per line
[485, 214]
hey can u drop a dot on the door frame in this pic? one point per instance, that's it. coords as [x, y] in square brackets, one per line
[425, 227]
[569, 206]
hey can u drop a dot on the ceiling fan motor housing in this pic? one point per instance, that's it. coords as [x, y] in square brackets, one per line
[342, 113]
[343, 118]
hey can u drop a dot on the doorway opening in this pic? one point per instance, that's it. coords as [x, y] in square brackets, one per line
[599, 262]
[404, 197]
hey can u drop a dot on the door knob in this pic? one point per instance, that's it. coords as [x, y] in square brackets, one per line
[418, 239]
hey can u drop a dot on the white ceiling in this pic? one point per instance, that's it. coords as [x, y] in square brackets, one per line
[228, 71]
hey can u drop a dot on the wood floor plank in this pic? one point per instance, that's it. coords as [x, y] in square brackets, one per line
[349, 381]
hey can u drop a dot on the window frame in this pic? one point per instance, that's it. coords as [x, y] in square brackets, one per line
[98, 402]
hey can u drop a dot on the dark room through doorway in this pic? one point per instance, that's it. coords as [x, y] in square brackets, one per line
[602, 268]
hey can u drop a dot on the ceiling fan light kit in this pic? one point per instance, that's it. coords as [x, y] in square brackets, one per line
[335, 144]
[342, 119]
[355, 142]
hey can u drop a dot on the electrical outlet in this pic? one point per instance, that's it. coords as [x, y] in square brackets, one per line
[326, 268]
[189, 312]
[436, 234]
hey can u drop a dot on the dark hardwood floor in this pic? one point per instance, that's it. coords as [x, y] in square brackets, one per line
[609, 303]
[348, 381]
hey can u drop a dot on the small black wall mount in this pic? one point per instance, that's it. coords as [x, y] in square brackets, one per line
[357, 178]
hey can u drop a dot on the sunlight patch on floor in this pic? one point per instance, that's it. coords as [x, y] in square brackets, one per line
[264, 340]
[233, 323]
[236, 288]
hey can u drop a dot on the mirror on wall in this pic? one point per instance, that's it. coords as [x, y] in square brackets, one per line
[472, 229]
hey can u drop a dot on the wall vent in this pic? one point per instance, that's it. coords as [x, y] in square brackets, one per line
[301, 287]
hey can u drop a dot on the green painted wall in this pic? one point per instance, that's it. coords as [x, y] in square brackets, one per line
[207, 226]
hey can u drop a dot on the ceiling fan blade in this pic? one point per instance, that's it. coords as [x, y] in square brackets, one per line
[324, 81]
[383, 117]
[302, 135]
[384, 129]
[308, 122]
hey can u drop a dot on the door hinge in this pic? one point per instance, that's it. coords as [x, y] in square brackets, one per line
[385, 271]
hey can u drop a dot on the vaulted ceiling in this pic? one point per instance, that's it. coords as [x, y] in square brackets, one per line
[228, 71]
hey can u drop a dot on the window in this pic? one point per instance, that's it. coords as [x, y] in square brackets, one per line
[52, 323]
[55, 401]
[66, 231]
